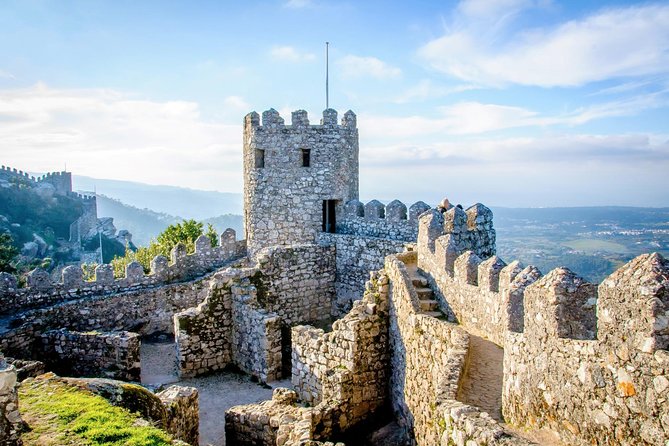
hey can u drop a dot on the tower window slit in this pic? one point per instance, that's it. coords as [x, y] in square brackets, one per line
[306, 157]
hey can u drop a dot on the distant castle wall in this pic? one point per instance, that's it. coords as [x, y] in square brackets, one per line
[291, 171]
[60, 181]
[41, 291]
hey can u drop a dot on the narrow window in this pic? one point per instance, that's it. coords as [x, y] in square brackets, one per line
[260, 158]
[306, 157]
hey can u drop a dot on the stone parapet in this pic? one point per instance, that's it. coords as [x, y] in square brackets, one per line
[42, 292]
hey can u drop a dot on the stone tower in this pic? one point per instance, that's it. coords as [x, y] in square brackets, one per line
[297, 177]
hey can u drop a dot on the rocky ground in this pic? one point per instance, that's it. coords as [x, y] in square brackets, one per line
[218, 392]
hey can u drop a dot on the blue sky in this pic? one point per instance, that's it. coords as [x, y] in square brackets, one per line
[507, 102]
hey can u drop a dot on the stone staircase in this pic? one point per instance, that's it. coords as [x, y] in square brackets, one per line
[428, 304]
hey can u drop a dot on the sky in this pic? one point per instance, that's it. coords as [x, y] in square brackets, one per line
[504, 102]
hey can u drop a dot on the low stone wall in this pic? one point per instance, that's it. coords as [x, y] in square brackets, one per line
[110, 355]
[353, 357]
[142, 311]
[42, 292]
[612, 389]
[279, 421]
[427, 357]
[11, 424]
[182, 413]
[356, 256]
[256, 338]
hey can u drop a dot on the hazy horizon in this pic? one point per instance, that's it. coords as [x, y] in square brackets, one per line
[511, 103]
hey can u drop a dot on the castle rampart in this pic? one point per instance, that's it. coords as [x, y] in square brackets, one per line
[42, 292]
[588, 362]
[60, 181]
[605, 387]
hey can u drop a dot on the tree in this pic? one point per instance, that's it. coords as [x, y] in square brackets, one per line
[185, 232]
[7, 253]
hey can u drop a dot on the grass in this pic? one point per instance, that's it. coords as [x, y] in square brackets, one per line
[592, 246]
[62, 415]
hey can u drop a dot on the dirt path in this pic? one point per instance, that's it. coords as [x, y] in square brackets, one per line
[217, 392]
[483, 380]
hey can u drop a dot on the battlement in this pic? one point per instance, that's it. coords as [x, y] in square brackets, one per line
[272, 121]
[374, 219]
[470, 229]
[61, 181]
[42, 291]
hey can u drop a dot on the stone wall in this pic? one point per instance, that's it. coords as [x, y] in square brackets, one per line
[374, 219]
[350, 358]
[427, 362]
[604, 388]
[256, 337]
[356, 256]
[42, 292]
[342, 373]
[242, 318]
[144, 311]
[296, 282]
[61, 181]
[283, 199]
[110, 355]
[182, 413]
[484, 296]
[11, 424]
[277, 422]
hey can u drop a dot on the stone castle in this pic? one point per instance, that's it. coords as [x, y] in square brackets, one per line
[424, 325]
[83, 228]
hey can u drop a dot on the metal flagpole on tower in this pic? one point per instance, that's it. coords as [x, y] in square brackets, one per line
[327, 75]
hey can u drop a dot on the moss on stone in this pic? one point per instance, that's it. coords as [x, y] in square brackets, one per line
[262, 295]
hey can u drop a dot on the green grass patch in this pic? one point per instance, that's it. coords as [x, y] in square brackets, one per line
[62, 415]
[590, 246]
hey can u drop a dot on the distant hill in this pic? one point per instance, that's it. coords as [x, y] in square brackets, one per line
[145, 224]
[171, 200]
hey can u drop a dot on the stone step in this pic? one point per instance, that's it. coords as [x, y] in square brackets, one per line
[424, 293]
[419, 281]
[437, 314]
[429, 305]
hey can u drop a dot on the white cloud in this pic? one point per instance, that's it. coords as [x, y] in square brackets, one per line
[356, 66]
[110, 134]
[472, 118]
[613, 43]
[566, 148]
[426, 89]
[6, 75]
[297, 4]
[236, 103]
[290, 54]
